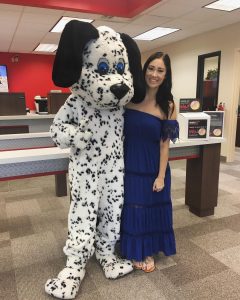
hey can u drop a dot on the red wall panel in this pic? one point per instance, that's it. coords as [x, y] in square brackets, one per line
[123, 8]
[32, 74]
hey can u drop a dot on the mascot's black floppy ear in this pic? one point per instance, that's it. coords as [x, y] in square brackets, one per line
[67, 65]
[134, 58]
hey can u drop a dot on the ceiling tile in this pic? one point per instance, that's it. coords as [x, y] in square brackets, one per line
[39, 19]
[171, 10]
[42, 11]
[4, 7]
[180, 23]
[7, 17]
[134, 30]
[192, 3]
[114, 25]
[204, 14]
[150, 20]
[51, 38]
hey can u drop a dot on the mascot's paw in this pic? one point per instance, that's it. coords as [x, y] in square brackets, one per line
[114, 266]
[66, 285]
[82, 135]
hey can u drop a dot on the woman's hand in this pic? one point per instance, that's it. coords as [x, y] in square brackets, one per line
[158, 184]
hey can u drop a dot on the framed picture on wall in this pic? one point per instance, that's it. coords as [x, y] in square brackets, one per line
[3, 79]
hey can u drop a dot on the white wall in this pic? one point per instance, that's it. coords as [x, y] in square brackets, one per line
[184, 59]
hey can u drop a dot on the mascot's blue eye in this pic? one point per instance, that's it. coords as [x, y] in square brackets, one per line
[103, 66]
[120, 67]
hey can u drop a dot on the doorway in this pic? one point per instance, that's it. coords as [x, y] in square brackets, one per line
[208, 80]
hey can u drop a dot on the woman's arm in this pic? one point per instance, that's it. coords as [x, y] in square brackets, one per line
[164, 153]
[172, 111]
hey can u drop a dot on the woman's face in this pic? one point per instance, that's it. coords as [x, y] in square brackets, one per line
[155, 73]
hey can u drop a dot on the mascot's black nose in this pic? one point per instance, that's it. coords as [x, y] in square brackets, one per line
[119, 90]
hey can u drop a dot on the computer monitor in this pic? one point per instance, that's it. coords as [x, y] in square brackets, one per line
[41, 106]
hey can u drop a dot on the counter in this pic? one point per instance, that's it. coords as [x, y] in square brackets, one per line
[34, 122]
[202, 171]
[25, 141]
[27, 117]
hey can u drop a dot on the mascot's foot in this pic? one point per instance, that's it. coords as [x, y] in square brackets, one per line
[114, 266]
[66, 285]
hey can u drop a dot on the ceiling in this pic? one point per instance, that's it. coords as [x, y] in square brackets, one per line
[22, 27]
[123, 8]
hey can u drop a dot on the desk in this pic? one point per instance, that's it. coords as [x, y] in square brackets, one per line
[202, 172]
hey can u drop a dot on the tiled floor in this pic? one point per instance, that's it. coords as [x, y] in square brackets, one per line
[33, 228]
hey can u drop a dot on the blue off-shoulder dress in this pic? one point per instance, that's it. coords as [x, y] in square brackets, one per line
[146, 222]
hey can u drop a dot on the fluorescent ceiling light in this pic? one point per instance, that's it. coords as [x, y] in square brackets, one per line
[64, 20]
[46, 48]
[227, 5]
[155, 33]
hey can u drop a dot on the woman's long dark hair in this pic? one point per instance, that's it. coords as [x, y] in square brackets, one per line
[164, 94]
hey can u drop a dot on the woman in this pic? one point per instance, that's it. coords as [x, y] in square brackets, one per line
[146, 226]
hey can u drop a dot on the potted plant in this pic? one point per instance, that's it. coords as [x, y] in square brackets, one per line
[212, 74]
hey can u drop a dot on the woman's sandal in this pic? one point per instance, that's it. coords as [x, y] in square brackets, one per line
[138, 265]
[148, 264]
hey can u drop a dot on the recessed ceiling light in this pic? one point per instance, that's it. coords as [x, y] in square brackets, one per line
[155, 33]
[64, 20]
[46, 48]
[227, 5]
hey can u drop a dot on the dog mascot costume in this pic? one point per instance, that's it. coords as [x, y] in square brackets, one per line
[103, 70]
